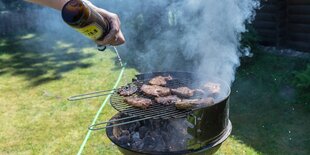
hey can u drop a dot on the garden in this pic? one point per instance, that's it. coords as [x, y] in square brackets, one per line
[40, 68]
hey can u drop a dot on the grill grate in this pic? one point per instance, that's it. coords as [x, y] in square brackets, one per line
[155, 111]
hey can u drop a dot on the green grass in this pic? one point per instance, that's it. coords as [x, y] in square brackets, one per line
[36, 118]
[265, 112]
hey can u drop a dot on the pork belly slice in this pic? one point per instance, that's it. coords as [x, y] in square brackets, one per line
[160, 80]
[191, 103]
[167, 100]
[154, 90]
[138, 102]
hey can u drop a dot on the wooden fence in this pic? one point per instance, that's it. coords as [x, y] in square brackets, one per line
[284, 23]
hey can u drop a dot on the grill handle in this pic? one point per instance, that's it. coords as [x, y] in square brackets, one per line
[91, 95]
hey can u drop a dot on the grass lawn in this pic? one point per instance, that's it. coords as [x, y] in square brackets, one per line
[264, 109]
[36, 118]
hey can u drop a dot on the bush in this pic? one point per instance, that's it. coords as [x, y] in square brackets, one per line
[250, 38]
[302, 83]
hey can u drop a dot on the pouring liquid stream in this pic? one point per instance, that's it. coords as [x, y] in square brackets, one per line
[120, 62]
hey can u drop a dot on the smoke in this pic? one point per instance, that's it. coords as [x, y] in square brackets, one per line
[189, 35]
[216, 35]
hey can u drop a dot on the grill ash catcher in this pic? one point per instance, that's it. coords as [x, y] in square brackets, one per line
[163, 129]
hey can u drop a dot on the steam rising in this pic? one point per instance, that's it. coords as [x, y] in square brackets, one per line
[189, 35]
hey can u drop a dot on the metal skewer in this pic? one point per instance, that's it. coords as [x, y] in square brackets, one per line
[90, 95]
[102, 92]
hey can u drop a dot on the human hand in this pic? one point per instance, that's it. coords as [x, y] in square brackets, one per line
[115, 36]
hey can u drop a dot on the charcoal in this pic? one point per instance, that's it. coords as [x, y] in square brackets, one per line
[132, 129]
[137, 126]
[142, 131]
[165, 136]
[156, 124]
[156, 135]
[138, 145]
[125, 132]
[123, 140]
[149, 143]
[124, 127]
[136, 136]
[159, 141]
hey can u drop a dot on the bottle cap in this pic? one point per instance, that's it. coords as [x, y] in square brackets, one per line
[101, 47]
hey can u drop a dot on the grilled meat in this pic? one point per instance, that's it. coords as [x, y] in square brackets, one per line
[154, 90]
[167, 100]
[199, 92]
[183, 92]
[138, 102]
[160, 80]
[186, 103]
[212, 89]
[127, 90]
[191, 103]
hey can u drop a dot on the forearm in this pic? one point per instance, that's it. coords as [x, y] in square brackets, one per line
[56, 4]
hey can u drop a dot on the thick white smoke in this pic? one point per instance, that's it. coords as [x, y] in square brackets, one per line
[195, 35]
[214, 35]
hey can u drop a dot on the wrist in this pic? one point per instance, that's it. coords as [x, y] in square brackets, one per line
[87, 2]
[103, 12]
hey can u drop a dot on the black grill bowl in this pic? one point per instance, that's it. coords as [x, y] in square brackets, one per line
[206, 148]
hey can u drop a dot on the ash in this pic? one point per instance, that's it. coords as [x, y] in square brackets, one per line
[154, 135]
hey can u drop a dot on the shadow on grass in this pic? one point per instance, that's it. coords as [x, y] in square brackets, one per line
[29, 56]
[264, 109]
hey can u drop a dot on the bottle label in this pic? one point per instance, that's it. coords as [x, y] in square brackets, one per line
[92, 31]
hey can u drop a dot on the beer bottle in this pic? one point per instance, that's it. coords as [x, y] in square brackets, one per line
[82, 17]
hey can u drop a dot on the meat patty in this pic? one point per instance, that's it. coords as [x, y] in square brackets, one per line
[127, 90]
[199, 92]
[154, 90]
[138, 102]
[160, 80]
[171, 99]
[183, 92]
[191, 103]
[212, 89]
